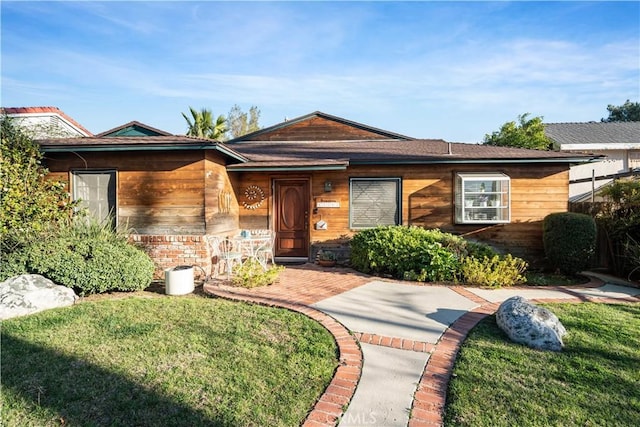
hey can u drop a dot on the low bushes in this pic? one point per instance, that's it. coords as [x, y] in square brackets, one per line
[494, 272]
[404, 252]
[415, 253]
[251, 274]
[569, 241]
[87, 257]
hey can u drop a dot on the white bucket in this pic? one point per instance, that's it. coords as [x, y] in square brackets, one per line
[179, 280]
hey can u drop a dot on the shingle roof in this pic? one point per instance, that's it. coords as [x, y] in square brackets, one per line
[594, 133]
[101, 141]
[417, 151]
[131, 143]
[273, 155]
[40, 110]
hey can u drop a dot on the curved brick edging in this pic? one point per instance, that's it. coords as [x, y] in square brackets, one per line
[336, 397]
[430, 397]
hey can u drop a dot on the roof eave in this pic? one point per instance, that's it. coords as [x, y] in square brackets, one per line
[475, 161]
[340, 167]
[587, 146]
[139, 147]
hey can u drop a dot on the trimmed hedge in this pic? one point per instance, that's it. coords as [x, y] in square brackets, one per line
[569, 241]
[92, 266]
[413, 253]
[88, 257]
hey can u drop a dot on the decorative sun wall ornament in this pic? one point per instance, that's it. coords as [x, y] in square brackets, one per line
[254, 196]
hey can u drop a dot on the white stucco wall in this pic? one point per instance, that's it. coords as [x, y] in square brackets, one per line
[46, 125]
[617, 161]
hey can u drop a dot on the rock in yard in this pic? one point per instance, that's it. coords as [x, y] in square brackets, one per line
[528, 324]
[30, 293]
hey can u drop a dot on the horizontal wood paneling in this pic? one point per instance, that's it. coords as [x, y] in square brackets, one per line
[192, 191]
[428, 200]
[162, 192]
[318, 129]
[259, 217]
[220, 201]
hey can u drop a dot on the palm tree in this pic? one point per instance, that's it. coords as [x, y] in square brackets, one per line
[202, 125]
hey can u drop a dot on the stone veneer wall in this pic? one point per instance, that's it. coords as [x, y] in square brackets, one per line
[168, 251]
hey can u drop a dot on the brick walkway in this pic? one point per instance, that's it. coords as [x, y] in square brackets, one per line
[297, 288]
[300, 286]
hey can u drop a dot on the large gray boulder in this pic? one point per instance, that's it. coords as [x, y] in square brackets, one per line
[528, 324]
[30, 293]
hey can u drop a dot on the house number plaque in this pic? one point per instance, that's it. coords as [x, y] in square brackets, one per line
[323, 203]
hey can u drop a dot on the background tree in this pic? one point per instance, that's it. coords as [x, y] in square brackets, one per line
[620, 219]
[627, 112]
[527, 133]
[29, 202]
[201, 124]
[241, 123]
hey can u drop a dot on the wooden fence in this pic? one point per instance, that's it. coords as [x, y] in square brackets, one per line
[610, 254]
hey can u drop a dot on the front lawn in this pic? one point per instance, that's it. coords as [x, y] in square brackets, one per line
[164, 361]
[594, 381]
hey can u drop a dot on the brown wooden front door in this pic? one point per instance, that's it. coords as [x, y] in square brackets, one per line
[292, 217]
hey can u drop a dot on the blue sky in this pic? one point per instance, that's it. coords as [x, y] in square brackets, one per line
[451, 70]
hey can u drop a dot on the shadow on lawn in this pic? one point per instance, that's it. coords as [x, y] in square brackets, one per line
[80, 393]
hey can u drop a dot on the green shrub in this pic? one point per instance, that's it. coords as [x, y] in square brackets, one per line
[251, 274]
[91, 266]
[494, 272]
[13, 264]
[411, 253]
[29, 200]
[479, 250]
[86, 256]
[569, 241]
[620, 221]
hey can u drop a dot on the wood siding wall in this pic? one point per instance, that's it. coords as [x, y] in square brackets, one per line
[428, 201]
[171, 192]
[190, 193]
[318, 129]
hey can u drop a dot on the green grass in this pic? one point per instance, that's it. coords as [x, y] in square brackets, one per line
[166, 361]
[537, 278]
[594, 381]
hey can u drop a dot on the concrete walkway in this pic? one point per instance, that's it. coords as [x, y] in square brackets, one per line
[397, 340]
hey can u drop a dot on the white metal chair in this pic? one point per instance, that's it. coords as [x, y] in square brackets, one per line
[265, 252]
[226, 253]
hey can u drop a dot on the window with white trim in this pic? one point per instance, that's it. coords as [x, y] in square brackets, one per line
[374, 201]
[482, 198]
[96, 190]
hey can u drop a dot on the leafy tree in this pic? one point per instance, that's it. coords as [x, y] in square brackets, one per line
[627, 112]
[29, 202]
[201, 124]
[527, 133]
[241, 123]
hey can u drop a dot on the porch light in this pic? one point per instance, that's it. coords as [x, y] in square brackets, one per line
[327, 186]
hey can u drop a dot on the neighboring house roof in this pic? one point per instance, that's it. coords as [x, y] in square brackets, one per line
[135, 143]
[133, 128]
[594, 135]
[318, 126]
[25, 112]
